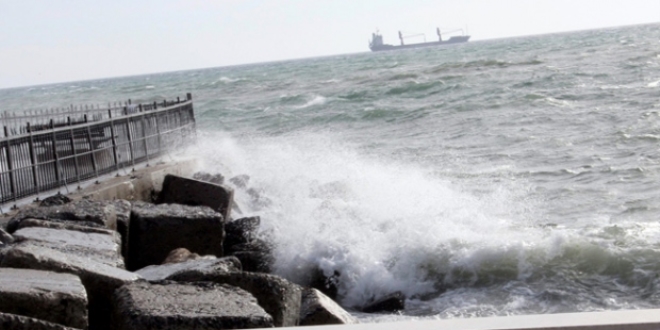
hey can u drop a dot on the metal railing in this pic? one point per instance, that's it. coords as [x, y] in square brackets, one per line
[52, 155]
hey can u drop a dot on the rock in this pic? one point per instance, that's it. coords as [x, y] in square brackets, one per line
[388, 304]
[49, 296]
[254, 261]
[240, 231]
[82, 212]
[179, 190]
[19, 322]
[240, 181]
[5, 238]
[197, 268]
[279, 297]
[318, 309]
[180, 255]
[213, 178]
[99, 279]
[326, 284]
[57, 199]
[100, 247]
[155, 230]
[123, 212]
[201, 305]
[256, 245]
[27, 223]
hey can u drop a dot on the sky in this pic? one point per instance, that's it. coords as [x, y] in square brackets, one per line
[46, 41]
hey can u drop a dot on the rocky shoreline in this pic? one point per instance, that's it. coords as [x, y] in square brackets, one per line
[173, 260]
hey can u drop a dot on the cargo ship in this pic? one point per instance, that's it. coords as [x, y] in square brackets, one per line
[376, 44]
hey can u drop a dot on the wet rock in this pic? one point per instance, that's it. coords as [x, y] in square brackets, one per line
[188, 269]
[179, 190]
[5, 238]
[201, 305]
[49, 296]
[82, 212]
[388, 304]
[57, 199]
[99, 247]
[279, 297]
[155, 230]
[99, 279]
[318, 309]
[18, 322]
[240, 231]
[254, 261]
[326, 284]
[256, 245]
[240, 181]
[213, 178]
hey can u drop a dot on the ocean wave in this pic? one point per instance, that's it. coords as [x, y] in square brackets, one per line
[414, 87]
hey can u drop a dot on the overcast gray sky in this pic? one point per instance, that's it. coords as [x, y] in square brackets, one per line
[48, 41]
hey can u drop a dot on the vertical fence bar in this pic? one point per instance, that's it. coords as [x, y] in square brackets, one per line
[55, 155]
[10, 167]
[33, 159]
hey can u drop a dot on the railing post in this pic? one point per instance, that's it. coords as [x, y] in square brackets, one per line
[114, 140]
[130, 140]
[10, 167]
[55, 155]
[33, 158]
[91, 149]
[189, 96]
[75, 154]
[144, 138]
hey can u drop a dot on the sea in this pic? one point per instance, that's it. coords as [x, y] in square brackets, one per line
[496, 177]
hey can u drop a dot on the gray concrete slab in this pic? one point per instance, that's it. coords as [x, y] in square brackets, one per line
[49, 296]
[180, 190]
[19, 322]
[197, 267]
[155, 230]
[181, 306]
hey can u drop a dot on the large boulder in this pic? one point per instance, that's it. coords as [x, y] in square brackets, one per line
[82, 212]
[155, 230]
[240, 231]
[180, 190]
[198, 268]
[318, 309]
[100, 280]
[49, 296]
[279, 297]
[202, 305]
[103, 247]
[20, 322]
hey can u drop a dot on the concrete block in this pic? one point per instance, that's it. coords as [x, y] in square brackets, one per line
[49, 296]
[181, 306]
[102, 247]
[279, 297]
[188, 269]
[318, 309]
[18, 322]
[155, 230]
[180, 190]
[99, 279]
[81, 212]
[240, 231]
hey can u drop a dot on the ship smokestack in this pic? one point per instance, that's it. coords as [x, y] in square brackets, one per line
[401, 38]
[439, 34]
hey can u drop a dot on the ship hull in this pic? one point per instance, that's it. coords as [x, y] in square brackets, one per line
[452, 40]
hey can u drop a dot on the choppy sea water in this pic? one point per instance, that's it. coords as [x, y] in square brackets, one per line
[512, 176]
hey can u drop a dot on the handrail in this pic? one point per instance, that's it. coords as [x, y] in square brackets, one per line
[41, 160]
